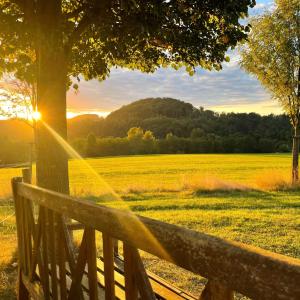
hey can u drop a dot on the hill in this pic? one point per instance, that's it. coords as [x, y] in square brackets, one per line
[151, 108]
[166, 115]
[195, 130]
[145, 111]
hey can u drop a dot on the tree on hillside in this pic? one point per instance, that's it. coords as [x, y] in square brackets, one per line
[135, 134]
[51, 42]
[272, 54]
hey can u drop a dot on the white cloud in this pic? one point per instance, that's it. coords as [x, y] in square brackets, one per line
[229, 88]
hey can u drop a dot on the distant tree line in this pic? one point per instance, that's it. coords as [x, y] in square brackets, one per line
[139, 141]
[164, 115]
[179, 127]
[160, 125]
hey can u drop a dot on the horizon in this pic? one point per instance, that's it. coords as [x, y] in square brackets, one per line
[267, 108]
[229, 90]
[246, 108]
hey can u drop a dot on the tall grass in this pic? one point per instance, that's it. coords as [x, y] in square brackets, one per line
[210, 183]
[274, 180]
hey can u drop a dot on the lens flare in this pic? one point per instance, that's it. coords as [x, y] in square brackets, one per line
[73, 154]
[36, 115]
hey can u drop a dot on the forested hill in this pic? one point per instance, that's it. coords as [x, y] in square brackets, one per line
[163, 125]
[200, 130]
[165, 115]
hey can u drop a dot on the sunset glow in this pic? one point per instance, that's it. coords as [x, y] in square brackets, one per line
[36, 115]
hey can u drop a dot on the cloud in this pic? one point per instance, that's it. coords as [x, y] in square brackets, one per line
[230, 88]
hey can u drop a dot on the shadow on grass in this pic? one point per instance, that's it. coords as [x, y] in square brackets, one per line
[212, 207]
[128, 197]
[251, 193]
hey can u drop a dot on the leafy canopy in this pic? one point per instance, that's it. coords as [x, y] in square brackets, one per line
[272, 54]
[137, 34]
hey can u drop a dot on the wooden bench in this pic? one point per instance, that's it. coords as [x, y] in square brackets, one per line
[50, 268]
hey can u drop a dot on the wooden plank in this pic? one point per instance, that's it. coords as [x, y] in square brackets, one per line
[36, 245]
[26, 174]
[14, 183]
[166, 292]
[131, 290]
[22, 234]
[22, 291]
[61, 260]
[75, 226]
[142, 279]
[116, 247]
[85, 283]
[268, 276]
[108, 258]
[68, 244]
[79, 270]
[52, 252]
[28, 232]
[92, 263]
[45, 274]
[216, 291]
[34, 289]
[160, 286]
[68, 247]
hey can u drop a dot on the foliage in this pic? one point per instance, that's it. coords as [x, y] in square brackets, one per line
[50, 43]
[138, 142]
[148, 136]
[135, 34]
[272, 54]
[164, 115]
[91, 145]
[135, 134]
[197, 133]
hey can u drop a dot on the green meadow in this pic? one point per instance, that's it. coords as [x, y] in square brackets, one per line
[238, 197]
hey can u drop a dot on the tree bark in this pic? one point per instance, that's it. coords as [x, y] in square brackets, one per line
[52, 160]
[295, 151]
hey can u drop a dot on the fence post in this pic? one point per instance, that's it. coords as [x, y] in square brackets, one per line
[22, 292]
[26, 173]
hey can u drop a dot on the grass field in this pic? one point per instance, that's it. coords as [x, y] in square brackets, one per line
[230, 196]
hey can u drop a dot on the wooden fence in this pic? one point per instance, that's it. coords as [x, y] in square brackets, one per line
[51, 268]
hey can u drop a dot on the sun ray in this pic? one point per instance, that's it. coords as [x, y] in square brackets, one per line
[74, 154]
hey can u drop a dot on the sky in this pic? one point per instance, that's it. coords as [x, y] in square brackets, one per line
[230, 89]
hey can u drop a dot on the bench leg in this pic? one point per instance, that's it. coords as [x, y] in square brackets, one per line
[22, 292]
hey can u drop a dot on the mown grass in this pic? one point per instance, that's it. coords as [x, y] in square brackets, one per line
[237, 197]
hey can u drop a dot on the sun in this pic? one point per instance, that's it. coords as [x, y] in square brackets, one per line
[36, 115]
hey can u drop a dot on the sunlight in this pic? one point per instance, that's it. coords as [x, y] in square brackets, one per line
[36, 115]
[74, 154]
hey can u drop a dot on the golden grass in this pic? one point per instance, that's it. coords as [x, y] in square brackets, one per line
[210, 183]
[140, 188]
[274, 180]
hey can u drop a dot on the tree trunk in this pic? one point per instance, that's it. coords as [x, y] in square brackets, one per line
[295, 172]
[52, 160]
